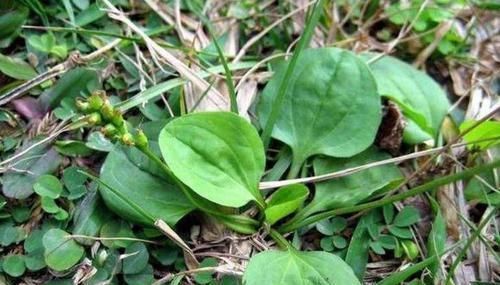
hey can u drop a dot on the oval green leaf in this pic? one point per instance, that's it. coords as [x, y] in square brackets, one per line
[61, 251]
[408, 216]
[218, 155]
[332, 106]
[16, 68]
[14, 265]
[48, 186]
[421, 99]
[151, 192]
[293, 267]
[488, 131]
[352, 189]
[285, 201]
[89, 216]
[137, 258]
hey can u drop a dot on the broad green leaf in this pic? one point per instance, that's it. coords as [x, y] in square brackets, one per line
[421, 99]
[219, 155]
[16, 68]
[137, 259]
[39, 160]
[352, 189]
[12, 17]
[151, 192]
[408, 216]
[14, 265]
[331, 107]
[61, 251]
[89, 216]
[488, 130]
[48, 186]
[285, 201]
[295, 267]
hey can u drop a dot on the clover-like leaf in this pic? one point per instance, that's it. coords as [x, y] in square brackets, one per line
[218, 155]
[332, 106]
[48, 186]
[137, 260]
[292, 267]
[14, 265]
[407, 217]
[61, 251]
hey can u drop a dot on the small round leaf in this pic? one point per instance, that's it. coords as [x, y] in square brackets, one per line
[61, 251]
[137, 259]
[48, 186]
[407, 217]
[14, 265]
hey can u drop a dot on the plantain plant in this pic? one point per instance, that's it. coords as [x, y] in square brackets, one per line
[214, 161]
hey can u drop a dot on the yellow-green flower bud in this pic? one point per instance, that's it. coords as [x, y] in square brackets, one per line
[117, 119]
[109, 130]
[127, 139]
[141, 141]
[95, 102]
[94, 119]
[107, 112]
[82, 106]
